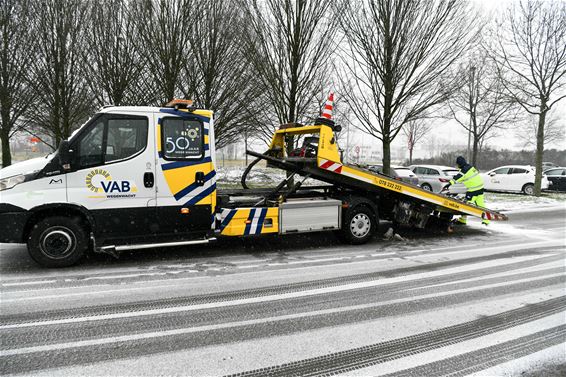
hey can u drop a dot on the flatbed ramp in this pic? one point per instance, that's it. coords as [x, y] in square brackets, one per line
[327, 167]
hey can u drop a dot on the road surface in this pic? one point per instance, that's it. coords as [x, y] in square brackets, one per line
[480, 301]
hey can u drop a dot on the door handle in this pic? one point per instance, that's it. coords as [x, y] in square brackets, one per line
[199, 178]
[148, 179]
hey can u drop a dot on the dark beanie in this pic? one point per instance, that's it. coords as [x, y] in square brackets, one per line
[460, 161]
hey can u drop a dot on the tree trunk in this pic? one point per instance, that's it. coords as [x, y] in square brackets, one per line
[386, 141]
[475, 151]
[5, 136]
[540, 148]
[410, 156]
[386, 156]
[6, 155]
[246, 146]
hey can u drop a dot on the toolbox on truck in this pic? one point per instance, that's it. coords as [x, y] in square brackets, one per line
[300, 215]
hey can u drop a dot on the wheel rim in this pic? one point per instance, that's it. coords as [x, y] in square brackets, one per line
[360, 225]
[427, 188]
[57, 242]
[529, 190]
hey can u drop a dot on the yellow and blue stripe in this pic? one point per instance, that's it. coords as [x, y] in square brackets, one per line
[249, 221]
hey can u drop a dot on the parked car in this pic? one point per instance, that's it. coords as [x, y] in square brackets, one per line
[436, 177]
[401, 173]
[557, 178]
[518, 178]
[548, 165]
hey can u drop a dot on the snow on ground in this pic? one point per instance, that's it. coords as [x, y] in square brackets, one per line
[259, 176]
[549, 362]
[513, 202]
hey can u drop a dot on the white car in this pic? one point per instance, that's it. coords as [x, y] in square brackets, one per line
[518, 178]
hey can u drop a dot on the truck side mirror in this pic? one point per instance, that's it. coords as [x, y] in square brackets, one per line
[65, 154]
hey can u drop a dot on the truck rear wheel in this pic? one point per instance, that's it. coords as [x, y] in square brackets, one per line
[358, 225]
[58, 241]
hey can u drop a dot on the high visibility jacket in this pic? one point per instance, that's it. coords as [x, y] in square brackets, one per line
[470, 177]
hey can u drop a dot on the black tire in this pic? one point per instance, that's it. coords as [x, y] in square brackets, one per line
[528, 189]
[359, 224]
[58, 241]
[426, 186]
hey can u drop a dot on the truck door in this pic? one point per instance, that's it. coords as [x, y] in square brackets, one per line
[113, 174]
[186, 178]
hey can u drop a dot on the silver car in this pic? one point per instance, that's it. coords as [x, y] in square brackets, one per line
[435, 177]
[398, 172]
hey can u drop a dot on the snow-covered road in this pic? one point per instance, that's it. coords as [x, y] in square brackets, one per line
[482, 301]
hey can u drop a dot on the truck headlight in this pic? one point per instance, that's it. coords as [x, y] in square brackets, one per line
[8, 183]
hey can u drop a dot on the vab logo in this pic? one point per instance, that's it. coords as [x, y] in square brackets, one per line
[99, 180]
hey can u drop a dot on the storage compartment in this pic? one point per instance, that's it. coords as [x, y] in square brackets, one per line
[304, 215]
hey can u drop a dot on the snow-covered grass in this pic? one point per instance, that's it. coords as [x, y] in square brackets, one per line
[511, 202]
[258, 177]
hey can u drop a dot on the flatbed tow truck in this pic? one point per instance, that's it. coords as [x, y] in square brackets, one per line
[144, 177]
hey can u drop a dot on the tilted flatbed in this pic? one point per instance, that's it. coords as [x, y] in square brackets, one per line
[384, 197]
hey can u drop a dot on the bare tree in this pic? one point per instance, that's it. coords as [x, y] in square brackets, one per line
[216, 75]
[16, 53]
[397, 57]
[164, 27]
[480, 105]
[530, 54]
[115, 68]
[415, 131]
[554, 130]
[289, 46]
[64, 100]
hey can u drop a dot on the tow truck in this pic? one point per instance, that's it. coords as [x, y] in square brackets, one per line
[144, 177]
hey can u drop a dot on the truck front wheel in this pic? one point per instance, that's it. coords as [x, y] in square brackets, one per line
[359, 225]
[58, 241]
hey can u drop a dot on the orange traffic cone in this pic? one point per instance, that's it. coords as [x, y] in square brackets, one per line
[327, 109]
[326, 114]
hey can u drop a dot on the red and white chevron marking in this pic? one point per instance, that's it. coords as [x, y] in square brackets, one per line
[493, 216]
[330, 165]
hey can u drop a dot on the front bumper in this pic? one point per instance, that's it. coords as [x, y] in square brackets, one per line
[12, 223]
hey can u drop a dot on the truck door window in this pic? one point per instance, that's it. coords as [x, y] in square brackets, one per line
[90, 146]
[182, 139]
[111, 138]
[126, 137]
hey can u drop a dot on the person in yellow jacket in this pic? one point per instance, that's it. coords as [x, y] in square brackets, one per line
[471, 178]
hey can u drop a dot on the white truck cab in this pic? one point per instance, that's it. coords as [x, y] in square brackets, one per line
[131, 176]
